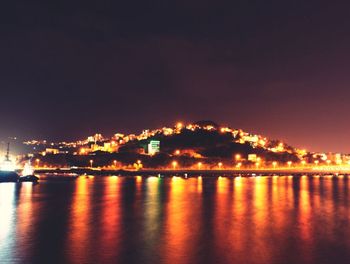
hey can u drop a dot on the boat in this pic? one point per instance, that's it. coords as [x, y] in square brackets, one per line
[28, 178]
[8, 176]
[7, 168]
[28, 174]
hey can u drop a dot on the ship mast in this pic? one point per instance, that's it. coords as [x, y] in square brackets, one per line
[7, 157]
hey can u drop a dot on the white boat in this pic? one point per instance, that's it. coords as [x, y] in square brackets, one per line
[28, 174]
[7, 168]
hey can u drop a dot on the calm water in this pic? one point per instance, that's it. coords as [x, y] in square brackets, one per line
[174, 220]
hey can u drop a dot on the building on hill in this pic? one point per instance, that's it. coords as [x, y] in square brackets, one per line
[153, 147]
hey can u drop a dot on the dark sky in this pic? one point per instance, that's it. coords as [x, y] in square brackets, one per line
[279, 68]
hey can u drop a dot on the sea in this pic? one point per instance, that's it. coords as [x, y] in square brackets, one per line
[111, 219]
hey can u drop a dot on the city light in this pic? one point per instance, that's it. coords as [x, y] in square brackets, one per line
[220, 165]
[179, 125]
[97, 143]
[274, 164]
[174, 163]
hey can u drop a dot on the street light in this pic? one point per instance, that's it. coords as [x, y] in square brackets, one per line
[238, 157]
[199, 165]
[289, 164]
[91, 162]
[174, 164]
[115, 163]
[220, 165]
[274, 164]
[37, 162]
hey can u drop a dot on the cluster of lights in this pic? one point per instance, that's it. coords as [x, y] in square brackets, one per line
[111, 145]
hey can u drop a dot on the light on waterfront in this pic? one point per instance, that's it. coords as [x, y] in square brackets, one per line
[199, 165]
[274, 164]
[289, 164]
[174, 163]
[220, 165]
[91, 163]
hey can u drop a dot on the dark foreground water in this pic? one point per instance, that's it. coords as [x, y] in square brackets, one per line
[174, 220]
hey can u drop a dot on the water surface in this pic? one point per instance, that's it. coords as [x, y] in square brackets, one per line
[176, 220]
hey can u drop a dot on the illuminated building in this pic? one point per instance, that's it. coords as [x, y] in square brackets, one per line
[252, 157]
[51, 151]
[153, 147]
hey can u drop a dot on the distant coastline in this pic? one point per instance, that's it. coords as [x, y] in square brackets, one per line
[191, 172]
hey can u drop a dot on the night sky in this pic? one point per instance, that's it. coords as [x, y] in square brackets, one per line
[277, 68]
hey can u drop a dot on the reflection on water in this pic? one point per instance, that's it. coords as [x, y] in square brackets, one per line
[176, 220]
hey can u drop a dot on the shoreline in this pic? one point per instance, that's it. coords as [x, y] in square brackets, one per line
[191, 172]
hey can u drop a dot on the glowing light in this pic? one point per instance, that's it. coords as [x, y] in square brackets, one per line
[274, 164]
[238, 157]
[37, 161]
[174, 163]
[179, 125]
[27, 170]
[220, 165]
[289, 163]
[199, 165]
[91, 163]
[8, 165]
